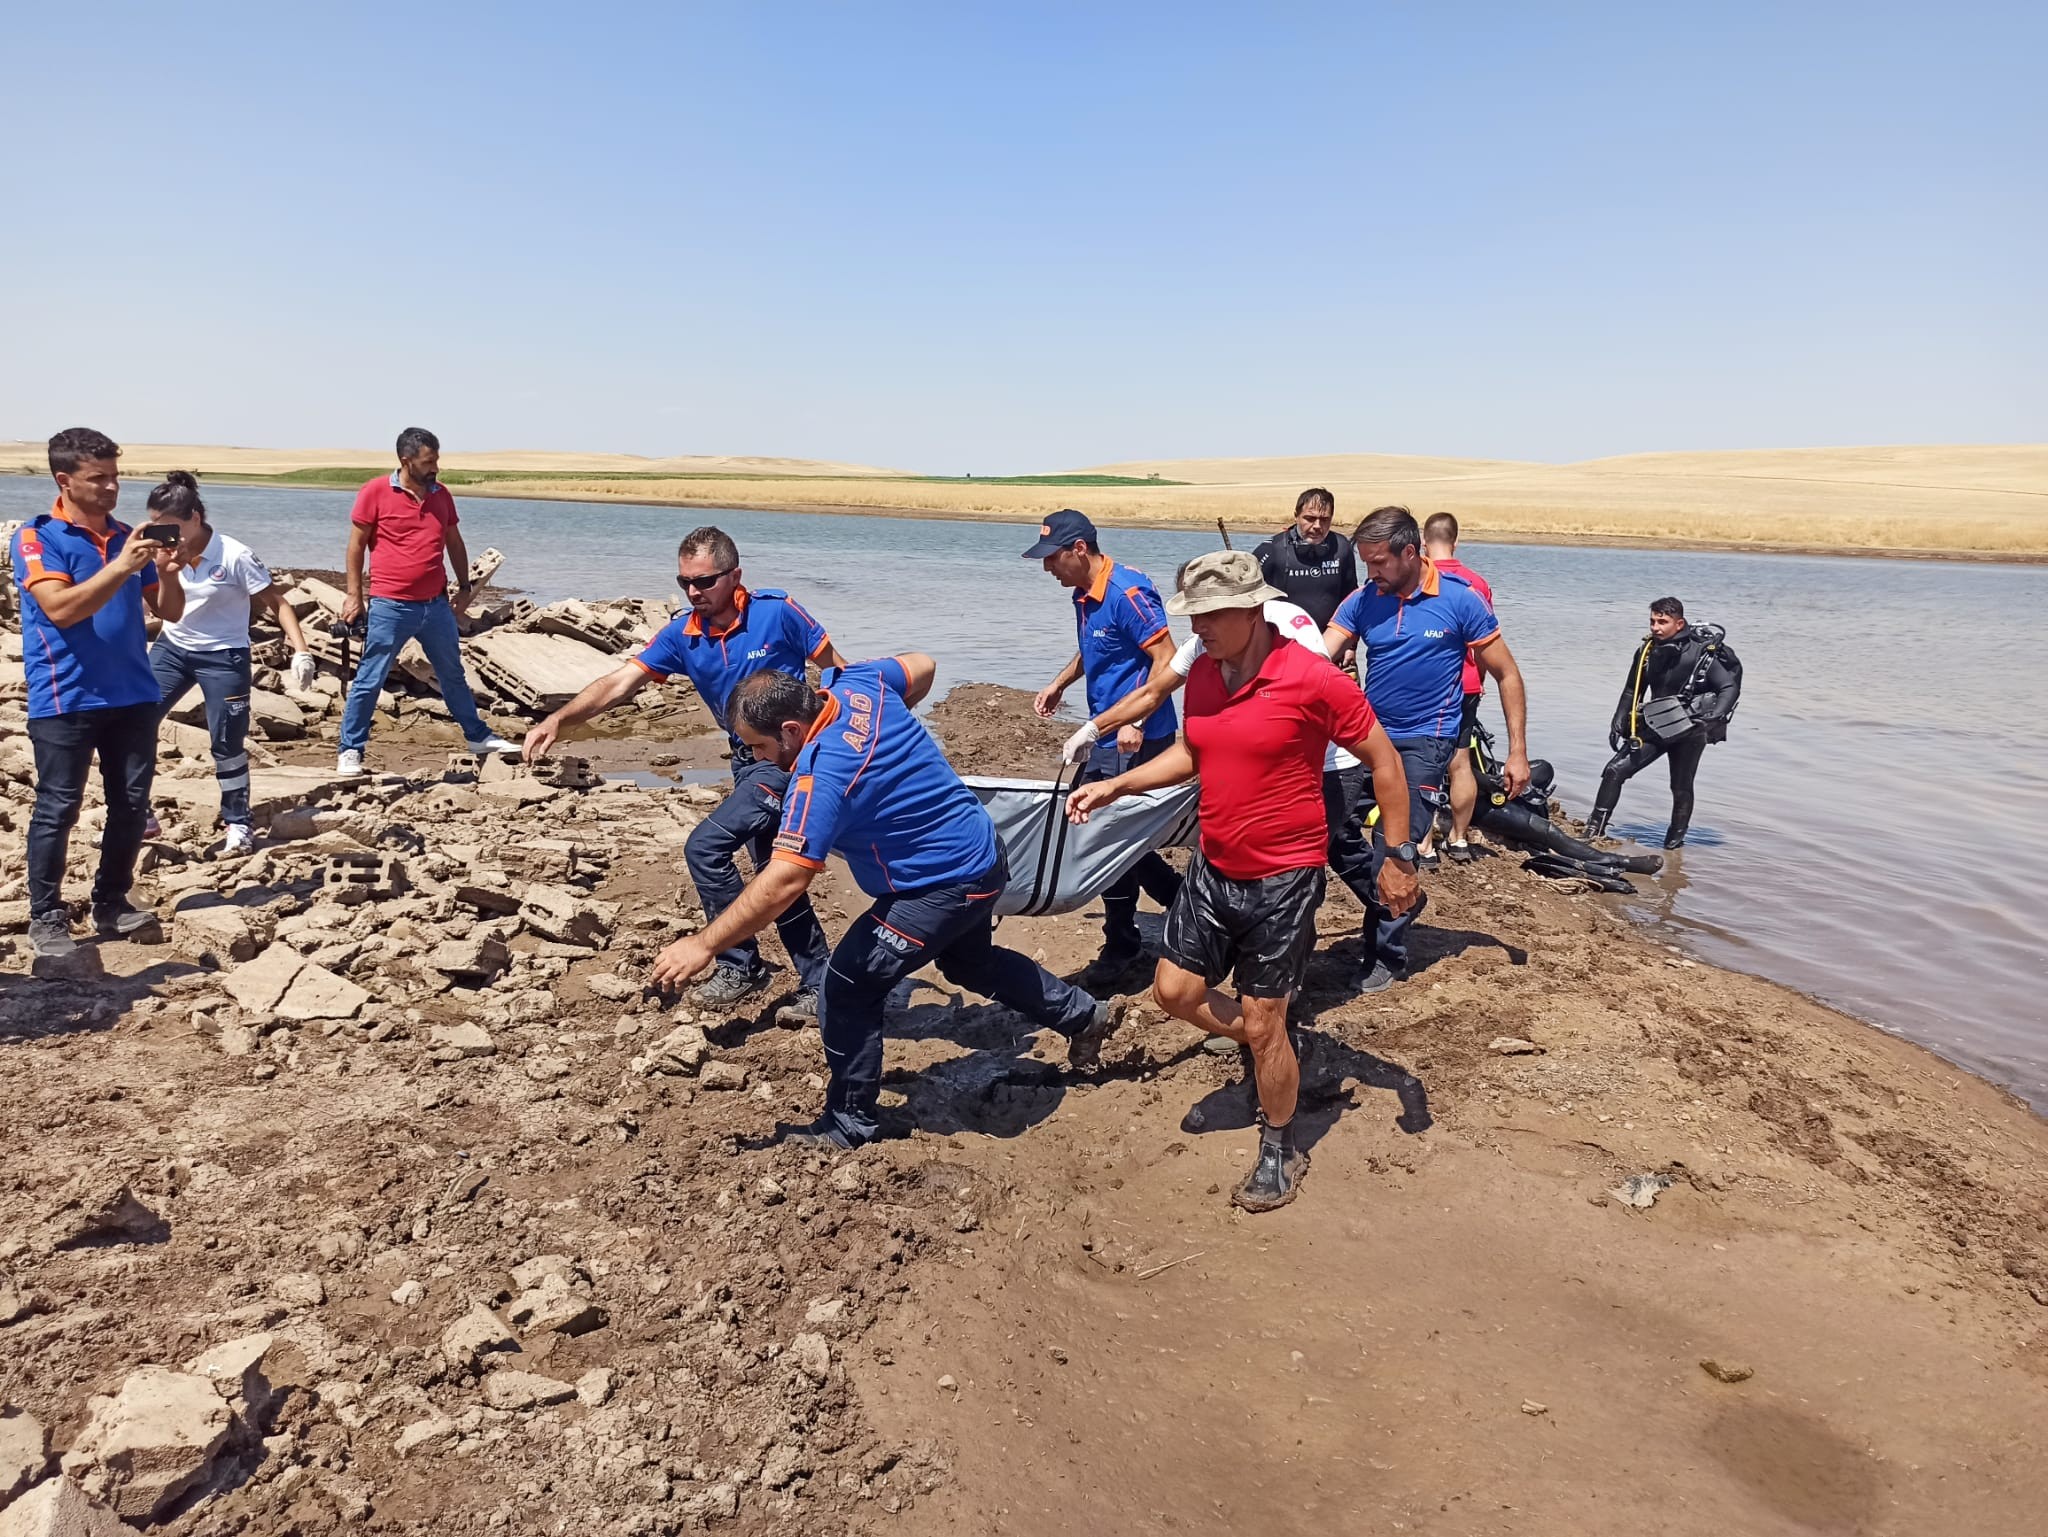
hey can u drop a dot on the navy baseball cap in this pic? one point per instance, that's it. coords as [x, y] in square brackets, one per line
[1059, 531]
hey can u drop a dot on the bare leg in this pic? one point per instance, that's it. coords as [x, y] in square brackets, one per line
[1259, 1023]
[1464, 794]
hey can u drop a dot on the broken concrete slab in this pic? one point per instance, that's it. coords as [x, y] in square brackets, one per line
[275, 716]
[540, 672]
[554, 1309]
[258, 985]
[211, 930]
[235, 1369]
[317, 993]
[96, 1206]
[271, 790]
[566, 916]
[525, 1390]
[454, 1042]
[436, 1433]
[365, 877]
[473, 960]
[151, 1442]
[24, 1452]
[59, 1508]
[475, 1335]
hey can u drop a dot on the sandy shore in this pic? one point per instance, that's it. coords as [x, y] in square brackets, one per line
[1034, 1310]
[1956, 502]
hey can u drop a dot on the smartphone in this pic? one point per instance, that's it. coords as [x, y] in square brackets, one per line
[160, 533]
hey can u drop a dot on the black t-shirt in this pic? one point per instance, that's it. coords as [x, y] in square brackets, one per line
[1315, 577]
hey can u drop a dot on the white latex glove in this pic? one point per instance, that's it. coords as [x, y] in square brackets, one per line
[304, 671]
[1081, 743]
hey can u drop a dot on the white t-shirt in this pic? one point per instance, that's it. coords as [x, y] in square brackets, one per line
[217, 594]
[1295, 624]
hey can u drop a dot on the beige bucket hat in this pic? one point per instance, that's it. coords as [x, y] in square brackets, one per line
[1222, 579]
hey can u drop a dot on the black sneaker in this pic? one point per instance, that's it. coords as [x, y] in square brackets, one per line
[824, 1134]
[1084, 1046]
[1459, 853]
[1275, 1179]
[50, 935]
[1110, 967]
[117, 920]
[730, 985]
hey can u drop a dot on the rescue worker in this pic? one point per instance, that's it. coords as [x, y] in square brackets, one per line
[1309, 561]
[869, 784]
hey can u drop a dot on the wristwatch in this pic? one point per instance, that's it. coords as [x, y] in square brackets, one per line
[1404, 852]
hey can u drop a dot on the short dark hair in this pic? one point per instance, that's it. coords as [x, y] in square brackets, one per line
[1392, 526]
[1668, 606]
[74, 445]
[1315, 496]
[770, 699]
[177, 495]
[413, 439]
[1440, 528]
[715, 542]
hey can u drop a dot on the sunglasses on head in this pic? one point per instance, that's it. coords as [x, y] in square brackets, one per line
[704, 583]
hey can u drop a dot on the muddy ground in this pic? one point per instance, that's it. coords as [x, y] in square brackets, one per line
[1034, 1310]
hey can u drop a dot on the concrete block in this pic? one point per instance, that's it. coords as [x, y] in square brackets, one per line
[152, 1441]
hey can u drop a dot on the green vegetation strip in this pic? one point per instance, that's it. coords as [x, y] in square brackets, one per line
[348, 478]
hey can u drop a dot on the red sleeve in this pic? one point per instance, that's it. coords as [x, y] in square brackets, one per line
[447, 506]
[364, 513]
[1345, 714]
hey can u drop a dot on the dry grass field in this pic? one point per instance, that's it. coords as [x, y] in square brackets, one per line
[1983, 502]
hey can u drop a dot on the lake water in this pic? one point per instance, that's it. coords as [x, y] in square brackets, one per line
[1874, 831]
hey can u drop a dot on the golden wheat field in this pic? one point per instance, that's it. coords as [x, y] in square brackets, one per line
[1981, 501]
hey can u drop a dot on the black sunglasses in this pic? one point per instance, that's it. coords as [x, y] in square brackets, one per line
[704, 583]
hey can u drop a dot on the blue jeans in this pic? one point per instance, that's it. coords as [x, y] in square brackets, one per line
[1426, 763]
[953, 926]
[223, 679]
[1151, 875]
[747, 819]
[393, 622]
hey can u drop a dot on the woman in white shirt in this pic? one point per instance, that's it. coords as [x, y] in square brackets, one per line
[224, 584]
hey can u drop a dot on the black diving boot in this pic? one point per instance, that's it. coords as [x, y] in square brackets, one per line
[1674, 837]
[1596, 824]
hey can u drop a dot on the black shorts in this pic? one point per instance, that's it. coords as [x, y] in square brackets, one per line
[1468, 717]
[1261, 931]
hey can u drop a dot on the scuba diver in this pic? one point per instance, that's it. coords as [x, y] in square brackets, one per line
[1682, 686]
[1523, 820]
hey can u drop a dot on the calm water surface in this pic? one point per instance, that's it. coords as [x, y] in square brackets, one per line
[1874, 831]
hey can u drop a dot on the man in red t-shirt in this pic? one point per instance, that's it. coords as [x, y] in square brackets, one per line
[1440, 544]
[1260, 711]
[405, 525]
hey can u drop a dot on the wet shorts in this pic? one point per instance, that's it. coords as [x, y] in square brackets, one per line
[1259, 931]
[1468, 717]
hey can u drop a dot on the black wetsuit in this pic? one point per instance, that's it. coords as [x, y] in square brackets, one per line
[1681, 667]
[1315, 577]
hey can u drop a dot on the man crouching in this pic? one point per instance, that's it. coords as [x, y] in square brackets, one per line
[1260, 712]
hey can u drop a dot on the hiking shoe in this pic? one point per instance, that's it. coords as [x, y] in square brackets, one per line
[730, 985]
[483, 747]
[1459, 853]
[117, 920]
[151, 827]
[824, 1134]
[801, 1009]
[1275, 1179]
[50, 935]
[1429, 861]
[1084, 1046]
[348, 763]
[241, 839]
[1378, 980]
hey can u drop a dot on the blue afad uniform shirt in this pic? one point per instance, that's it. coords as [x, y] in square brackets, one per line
[773, 630]
[102, 661]
[1414, 649]
[1116, 619]
[872, 786]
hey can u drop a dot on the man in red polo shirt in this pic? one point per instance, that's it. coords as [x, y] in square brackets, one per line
[1260, 711]
[405, 525]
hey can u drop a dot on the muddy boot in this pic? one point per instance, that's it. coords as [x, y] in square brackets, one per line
[800, 1010]
[824, 1135]
[730, 985]
[1084, 1046]
[1277, 1175]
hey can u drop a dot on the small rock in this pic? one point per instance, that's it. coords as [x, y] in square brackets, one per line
[409, 1294]
[611, 987]
[719, 1502]
[723, 1075]
[24, 1452]
[300, 1290]
[15, 1304]
[59, 1508]
[429, 1435]
[812, 1355]
[947, 1384]
[237, 1040]
[770, 1191]
[474, 1335]
[1724, 1371]
[1531, 1407]
[783, 1463]
[98, 1207]
[850, 1178]
[965, 1221]
[1513, 1046]
[554, 1309]
[826, 1312]
[542, 1268]
[525, 1390]
[1641, 1190]
[595, 1387]
[236, 1371]
[461, 1040]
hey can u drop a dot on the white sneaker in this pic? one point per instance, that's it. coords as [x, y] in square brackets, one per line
[348, 763]
[490, 744]
[241, 839]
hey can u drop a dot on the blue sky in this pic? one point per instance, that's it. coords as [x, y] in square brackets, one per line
[1001, 239]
